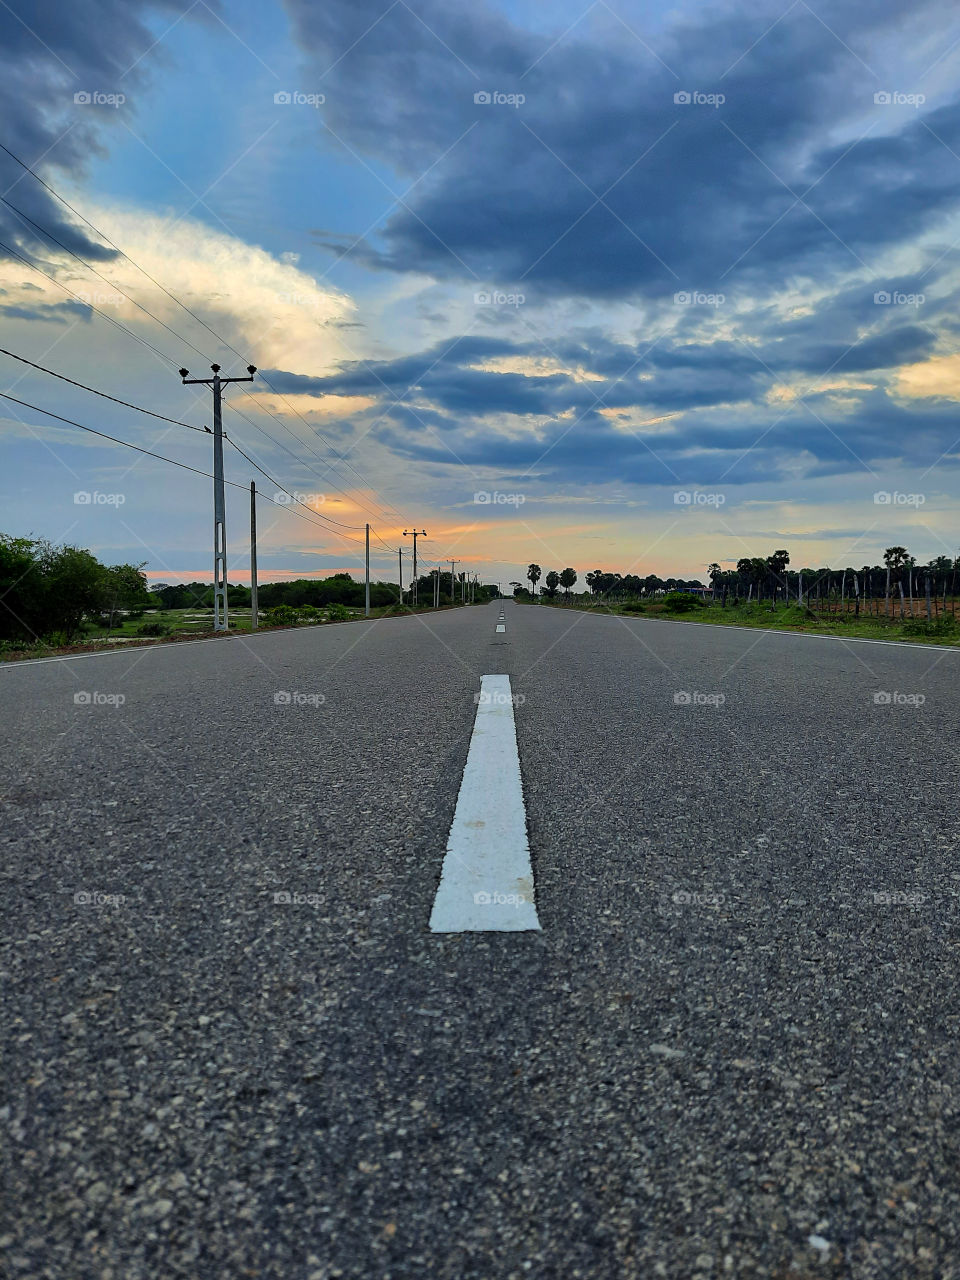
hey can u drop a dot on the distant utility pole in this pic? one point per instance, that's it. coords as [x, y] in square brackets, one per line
[453, 582]
[220, 621]
[366, 609]
[400, 563]
[414, 534]
[253, 555]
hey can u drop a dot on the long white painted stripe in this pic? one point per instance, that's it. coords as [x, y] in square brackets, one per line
[501, 626]
[486, 884]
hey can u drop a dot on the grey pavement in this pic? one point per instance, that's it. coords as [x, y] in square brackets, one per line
[730, 1052]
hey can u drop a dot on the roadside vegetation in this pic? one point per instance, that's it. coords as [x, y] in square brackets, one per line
[64, 600]
[898, 600]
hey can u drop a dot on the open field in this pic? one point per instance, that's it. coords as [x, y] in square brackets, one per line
[789, 617]
[187, 624]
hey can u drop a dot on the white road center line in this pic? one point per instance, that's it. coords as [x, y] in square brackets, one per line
[501, 626]
[486, 884]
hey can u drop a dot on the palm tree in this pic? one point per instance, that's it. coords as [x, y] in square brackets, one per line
[552, 581]
[567, 580]
[894, 558]
[534, 573]
[777, 564]
[745, 570]
[714, 571]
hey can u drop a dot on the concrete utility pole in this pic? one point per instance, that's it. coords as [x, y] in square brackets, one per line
[220, 620]
[453, 582]
[414, 534]
[400, 563]
[253, 555]
[366, 609]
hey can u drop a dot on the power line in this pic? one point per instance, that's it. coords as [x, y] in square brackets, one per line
[176, 422]
[290, 495]
[117, 324]
[146, 312]
[157, 351]
[124, 329]
[93, 390]
[172, 461]
[98, 274]
[189, 311]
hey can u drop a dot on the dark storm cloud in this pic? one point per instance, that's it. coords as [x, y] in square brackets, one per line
[57, 312]
[601, 186]
[554, 192]
[51, 51]
[666, 378]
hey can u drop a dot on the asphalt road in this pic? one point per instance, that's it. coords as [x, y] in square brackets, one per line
[731, 1051]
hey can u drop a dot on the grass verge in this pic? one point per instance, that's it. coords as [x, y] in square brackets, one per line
[783, 617]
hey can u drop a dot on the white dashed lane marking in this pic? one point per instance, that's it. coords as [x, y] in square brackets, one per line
[486, 884]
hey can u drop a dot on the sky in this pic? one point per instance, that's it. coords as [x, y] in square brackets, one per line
[604, 285]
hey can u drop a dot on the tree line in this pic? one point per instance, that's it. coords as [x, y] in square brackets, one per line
[770, 577]
[758, 578]
[47, 591]
[613, 586]
[298, 593]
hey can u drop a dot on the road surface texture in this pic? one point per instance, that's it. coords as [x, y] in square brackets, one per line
[731, 1049]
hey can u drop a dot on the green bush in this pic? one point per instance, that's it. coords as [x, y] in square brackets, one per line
[337, 612]
[945, 625]
[153, 629]
[634, 606]
[281, 616]
[681, 602]
[308, 613]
